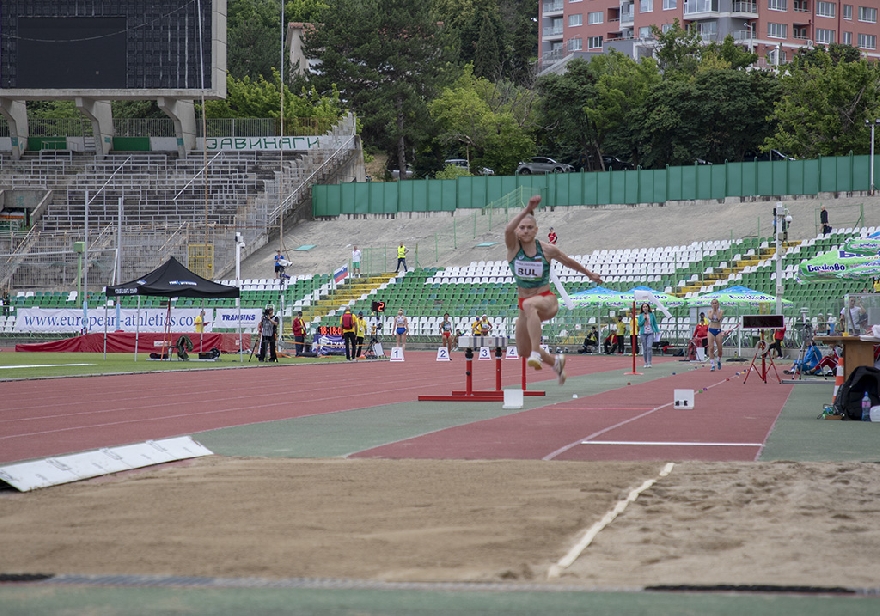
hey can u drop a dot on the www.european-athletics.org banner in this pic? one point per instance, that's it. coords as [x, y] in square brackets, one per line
[63, 320]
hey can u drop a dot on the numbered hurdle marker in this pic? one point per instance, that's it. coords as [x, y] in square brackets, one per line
[511, 353]
[485, 353]
[443, 354]
[396, 353]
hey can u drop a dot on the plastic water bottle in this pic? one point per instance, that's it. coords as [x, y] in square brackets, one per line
[866, 407]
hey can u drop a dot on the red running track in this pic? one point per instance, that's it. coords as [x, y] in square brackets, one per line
[42, 418]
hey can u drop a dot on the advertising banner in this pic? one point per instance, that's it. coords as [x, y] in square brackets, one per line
[62, 320]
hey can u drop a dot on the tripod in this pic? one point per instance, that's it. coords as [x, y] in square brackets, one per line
[764, 369]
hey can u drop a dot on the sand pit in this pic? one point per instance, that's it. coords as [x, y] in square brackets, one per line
[403, 520]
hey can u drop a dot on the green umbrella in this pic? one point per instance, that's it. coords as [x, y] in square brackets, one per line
[737, 296]
[863, 245]
[839, 264]
[601, 296]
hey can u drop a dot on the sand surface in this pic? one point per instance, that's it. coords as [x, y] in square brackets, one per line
[424, 520]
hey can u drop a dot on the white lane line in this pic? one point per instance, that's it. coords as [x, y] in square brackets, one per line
[565, 448]
[670, 444]
[13, 367]
[576, 550]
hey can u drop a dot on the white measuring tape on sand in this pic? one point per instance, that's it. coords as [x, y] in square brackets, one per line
[576, 550]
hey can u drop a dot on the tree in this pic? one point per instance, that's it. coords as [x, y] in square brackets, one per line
[254, 37]
[678, 50]
[388, 58]
[820, 54]
[484, 123]
[824, 105]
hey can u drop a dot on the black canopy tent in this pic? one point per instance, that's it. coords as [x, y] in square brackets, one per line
[170, 279]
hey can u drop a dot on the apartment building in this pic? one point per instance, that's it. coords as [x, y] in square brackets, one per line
[773, 29]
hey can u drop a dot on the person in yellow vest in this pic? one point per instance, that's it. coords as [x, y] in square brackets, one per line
[481, 327]
[200, 322]
[360, 334]
[348, 324]
[401, 257]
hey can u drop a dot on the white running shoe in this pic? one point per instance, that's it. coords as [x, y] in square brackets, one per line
[535, 361]
[559, 368]
[712, 367]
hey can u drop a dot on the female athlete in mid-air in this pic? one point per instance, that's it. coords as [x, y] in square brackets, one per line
[530, 262]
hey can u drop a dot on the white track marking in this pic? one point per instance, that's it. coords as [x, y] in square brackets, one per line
[577, 549]
[670, 444]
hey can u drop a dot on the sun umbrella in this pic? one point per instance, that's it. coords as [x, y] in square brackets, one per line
[601, 296]
[863, 245]
[737, 296]
[839, 264]
[660, 297]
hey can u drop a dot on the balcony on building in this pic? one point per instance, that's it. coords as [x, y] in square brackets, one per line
[552, 7]
[697, 9]
[744, 9]
[553, 33]
[627, 14]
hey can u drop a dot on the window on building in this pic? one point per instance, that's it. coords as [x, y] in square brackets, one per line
[570, 1]
[847, 11]
[575, 44]
[594, 42]
[669, 5]
[799, 33]
[665, 28]
[824, 36]
[801, 6]
[868, 15]
[868, 41]
[777, 30]
[777, 5]
[646, 6]
[595, 18]
[826, 9]
[847, 38]
[576, 20]
[645, 32]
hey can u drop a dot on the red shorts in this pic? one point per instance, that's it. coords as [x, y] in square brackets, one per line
[522, 299]
[447, 334]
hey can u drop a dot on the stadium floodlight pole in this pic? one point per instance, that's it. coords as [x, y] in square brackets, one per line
[239, 242]
[781, 218]
[871, 162]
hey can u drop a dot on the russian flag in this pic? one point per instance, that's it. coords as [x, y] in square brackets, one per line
[340, 274]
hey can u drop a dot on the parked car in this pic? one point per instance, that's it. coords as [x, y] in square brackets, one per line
[395, 173]
[613, 163]
[765, 156]
[463, 163]
[542, 164]
[701, 161]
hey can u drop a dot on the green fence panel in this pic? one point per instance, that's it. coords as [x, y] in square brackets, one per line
[795, 173]
[325, 200]
[689, 183]
[827, 174]
[810, 185]
[448, 195]
[383, 200]
[659, 187]
[590, 188]
[604, 190]
[861, 172]
[764, 179]
[354, 199]
[434, 195]
[673, 183]
[718, 177]
[779, 177]
[567, 187]
[844, 174]
[733, 178]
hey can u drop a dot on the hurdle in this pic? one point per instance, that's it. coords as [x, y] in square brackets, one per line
[469, 394]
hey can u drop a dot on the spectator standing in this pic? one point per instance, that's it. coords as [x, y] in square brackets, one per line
[4, 301]
[853, 318]
[621, 334]
[481, 327]
[446, 334]
[360, 334]
[200, 322]
[268, 335]
[832, 324]
[401, 327]
[299, 333]
[778, 337]
[401, 257]
[823, 220]
[356, 262]
[348, 323]
[551, 237]
[647, 328]
[279, 269]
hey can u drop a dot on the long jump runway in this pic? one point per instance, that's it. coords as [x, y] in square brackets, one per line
[730, 421]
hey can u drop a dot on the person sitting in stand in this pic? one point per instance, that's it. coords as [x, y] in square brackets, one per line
[591, 341]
